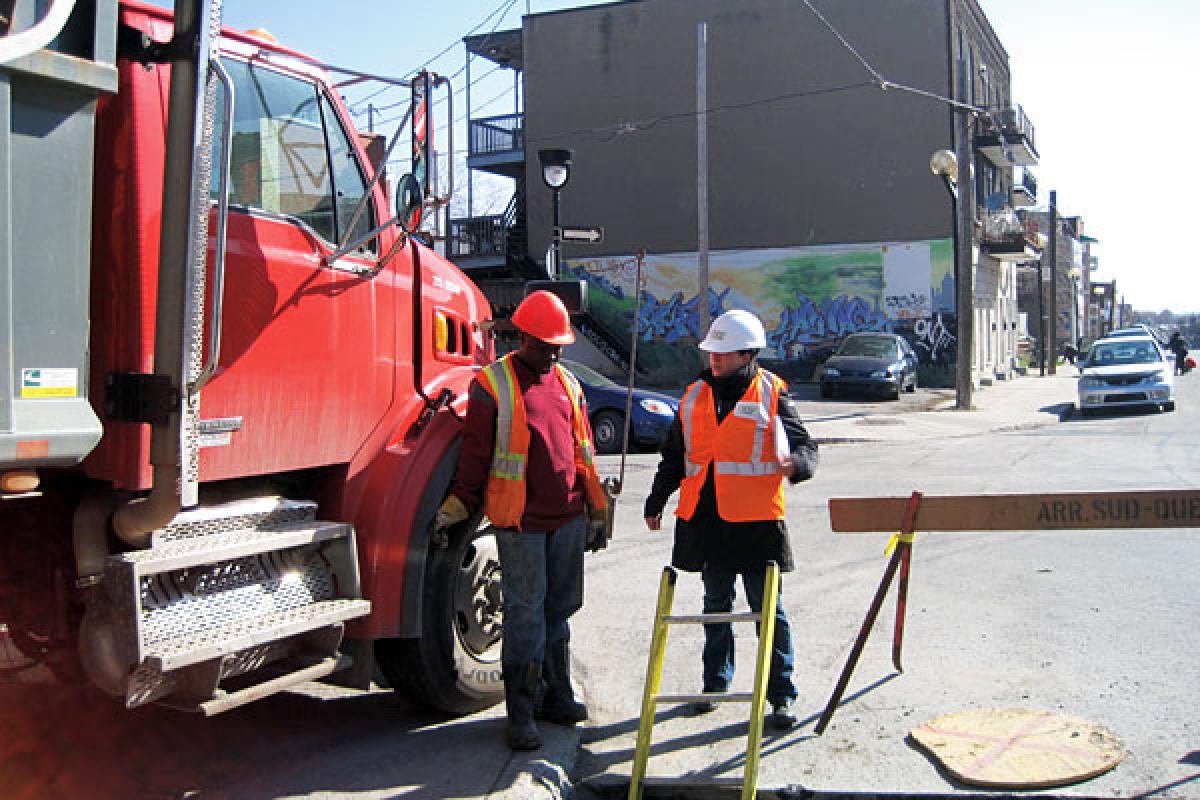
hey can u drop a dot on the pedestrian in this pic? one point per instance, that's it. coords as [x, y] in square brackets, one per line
[1179, 346]
[527, 460]
[726, 455]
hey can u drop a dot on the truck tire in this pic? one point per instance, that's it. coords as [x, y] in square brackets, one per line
[454, 666]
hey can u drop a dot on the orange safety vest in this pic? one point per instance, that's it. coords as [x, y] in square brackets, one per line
[504, 500]
[748, 479]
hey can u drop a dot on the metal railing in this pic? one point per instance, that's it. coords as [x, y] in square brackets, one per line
[476, 236]
[497, 134]
[1013, 122]
[1026, 181]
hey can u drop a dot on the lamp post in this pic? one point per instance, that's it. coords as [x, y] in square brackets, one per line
[556, 171]
[955, 172]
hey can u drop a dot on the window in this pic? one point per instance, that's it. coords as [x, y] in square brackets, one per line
[290, 155]
[349, 186]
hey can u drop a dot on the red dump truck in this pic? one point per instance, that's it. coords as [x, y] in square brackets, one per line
[231, 395]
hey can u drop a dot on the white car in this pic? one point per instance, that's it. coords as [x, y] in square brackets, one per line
[1125, 371]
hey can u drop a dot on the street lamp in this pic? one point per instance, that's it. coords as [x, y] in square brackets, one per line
[556, 171]
[944, 164]
[955, 172]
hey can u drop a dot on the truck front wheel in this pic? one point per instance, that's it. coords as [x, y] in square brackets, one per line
[455, 665]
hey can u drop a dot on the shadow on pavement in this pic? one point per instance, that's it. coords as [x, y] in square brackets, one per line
[60, 741]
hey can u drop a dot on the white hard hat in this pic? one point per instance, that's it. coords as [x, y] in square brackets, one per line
[733, 331]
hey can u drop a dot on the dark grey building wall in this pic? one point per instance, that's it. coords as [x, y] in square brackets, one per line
[800, 153]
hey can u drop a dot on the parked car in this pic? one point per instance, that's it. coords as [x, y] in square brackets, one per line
[1125, 371]
[881, 363]
[651, 413]
[1141, 333]
[1140, 329]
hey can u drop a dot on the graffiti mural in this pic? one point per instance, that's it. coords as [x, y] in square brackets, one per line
[932, 338]
[808, 298]
[675, 318]
[809, 323]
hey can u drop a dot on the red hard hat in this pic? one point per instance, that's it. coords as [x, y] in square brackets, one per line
[543, 316]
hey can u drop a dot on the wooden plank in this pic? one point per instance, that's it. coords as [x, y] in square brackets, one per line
[1177, 508]
[1019, 748]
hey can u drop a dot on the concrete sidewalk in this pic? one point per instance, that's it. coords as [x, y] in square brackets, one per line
[1021, 403]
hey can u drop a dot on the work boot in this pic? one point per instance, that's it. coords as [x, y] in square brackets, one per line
[521, 683]
[783, 715]
[558, 703]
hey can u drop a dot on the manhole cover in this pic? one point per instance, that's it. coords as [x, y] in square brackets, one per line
[1019, 748]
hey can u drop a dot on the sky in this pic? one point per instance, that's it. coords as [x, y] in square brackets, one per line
[1106, 83]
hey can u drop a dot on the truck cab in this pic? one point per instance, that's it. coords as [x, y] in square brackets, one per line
[326, 354]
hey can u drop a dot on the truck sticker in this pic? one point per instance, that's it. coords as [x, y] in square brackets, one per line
[44, 382]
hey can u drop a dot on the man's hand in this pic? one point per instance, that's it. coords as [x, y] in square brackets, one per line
[787, 466]
[450, 514]
[654, 523]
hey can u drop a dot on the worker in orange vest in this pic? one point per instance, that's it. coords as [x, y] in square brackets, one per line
[735, 439]
[527, 459]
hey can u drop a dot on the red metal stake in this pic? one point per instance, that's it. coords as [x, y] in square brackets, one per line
[898, 555]
[904, 545]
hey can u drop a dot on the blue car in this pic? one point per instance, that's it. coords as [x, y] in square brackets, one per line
[651, 412]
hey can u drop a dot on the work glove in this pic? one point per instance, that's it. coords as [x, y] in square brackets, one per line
[597, 529]
[450, 514]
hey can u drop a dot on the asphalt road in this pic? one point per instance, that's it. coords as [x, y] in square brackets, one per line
[1100, 625]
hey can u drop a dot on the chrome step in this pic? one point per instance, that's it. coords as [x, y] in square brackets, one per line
[225, 701]
[255, 512]
[226, 591]
[197, 550]
[205, 645]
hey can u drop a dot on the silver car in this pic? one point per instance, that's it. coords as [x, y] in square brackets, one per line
[1125, 371]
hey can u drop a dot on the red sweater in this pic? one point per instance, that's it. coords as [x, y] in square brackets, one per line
[553, 489]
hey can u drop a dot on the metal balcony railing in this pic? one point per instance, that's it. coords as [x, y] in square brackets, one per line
[476, 236]
[1027, 181]
[1013, 122]
[497, 134]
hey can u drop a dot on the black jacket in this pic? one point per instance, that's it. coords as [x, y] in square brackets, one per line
[707, 540]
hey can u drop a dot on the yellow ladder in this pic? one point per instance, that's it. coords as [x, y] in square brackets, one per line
[651, 698]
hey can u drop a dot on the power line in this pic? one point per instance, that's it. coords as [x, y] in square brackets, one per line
[501, 9]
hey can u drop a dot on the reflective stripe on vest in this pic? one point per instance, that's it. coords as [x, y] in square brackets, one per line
[502, 383]
[686, 409]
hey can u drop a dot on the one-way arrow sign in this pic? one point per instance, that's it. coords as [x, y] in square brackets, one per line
[591, 235]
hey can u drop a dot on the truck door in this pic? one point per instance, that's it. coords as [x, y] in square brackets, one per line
[307, 351]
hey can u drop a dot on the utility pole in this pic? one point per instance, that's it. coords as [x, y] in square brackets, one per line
[1041, 294]
[1053, 333]
[702, 176]
[964, 281]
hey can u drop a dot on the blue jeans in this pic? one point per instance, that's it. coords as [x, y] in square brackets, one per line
[541, 575]
[718, 638]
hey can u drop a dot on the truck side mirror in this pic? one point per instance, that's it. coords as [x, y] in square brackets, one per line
[410, 202]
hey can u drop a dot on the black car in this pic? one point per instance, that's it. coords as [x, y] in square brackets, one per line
[651, 412]
[881, 363]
